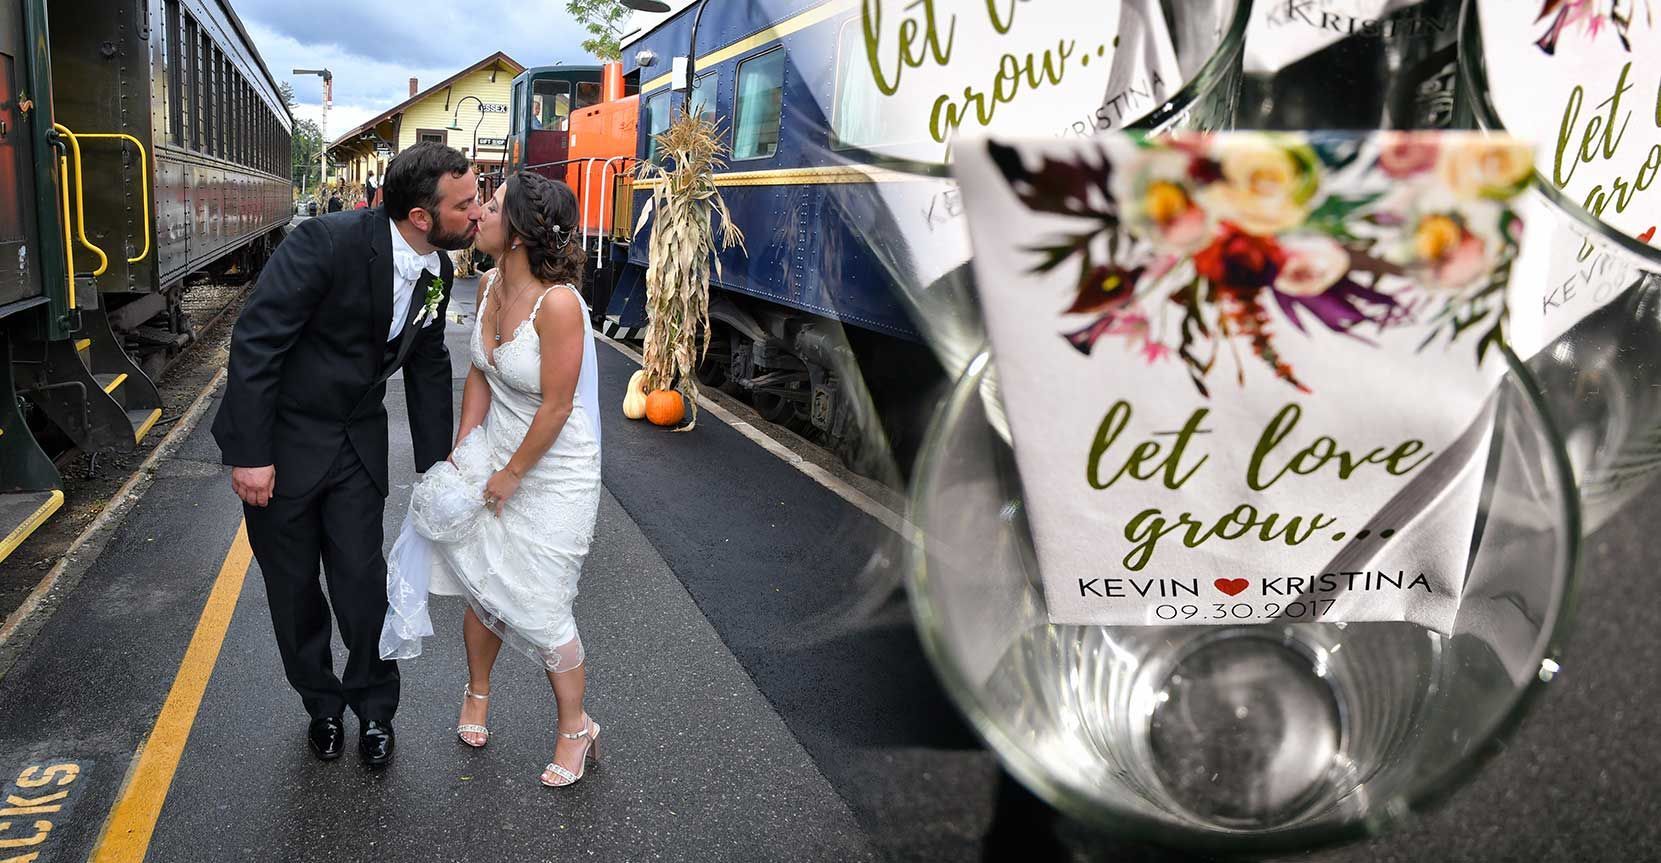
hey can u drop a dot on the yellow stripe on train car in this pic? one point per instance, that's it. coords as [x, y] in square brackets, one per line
[820, 176]
[761, 37]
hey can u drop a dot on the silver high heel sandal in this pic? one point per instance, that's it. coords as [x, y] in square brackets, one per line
[463, 730]
[591, 752]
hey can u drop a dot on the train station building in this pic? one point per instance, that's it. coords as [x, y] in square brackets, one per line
[468, 111]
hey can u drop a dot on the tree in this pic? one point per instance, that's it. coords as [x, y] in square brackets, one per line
[307, 144]
[603, 19]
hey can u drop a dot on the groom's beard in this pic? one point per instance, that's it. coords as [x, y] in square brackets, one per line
[438, 239]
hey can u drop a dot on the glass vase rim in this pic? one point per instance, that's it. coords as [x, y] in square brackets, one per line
[1079, 805]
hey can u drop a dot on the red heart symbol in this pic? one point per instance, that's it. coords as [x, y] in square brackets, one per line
[1231, 586]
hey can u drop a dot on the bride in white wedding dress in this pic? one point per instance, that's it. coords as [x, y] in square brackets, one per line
[509, 518]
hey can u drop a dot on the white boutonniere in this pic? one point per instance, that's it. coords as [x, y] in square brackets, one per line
[435, 295]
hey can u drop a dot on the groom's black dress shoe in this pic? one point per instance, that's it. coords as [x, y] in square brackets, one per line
[327, 737]
[375, 742]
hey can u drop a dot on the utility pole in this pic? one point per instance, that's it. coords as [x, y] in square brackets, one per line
[322, 126]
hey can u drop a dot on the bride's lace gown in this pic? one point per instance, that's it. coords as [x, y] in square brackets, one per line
[519, 572]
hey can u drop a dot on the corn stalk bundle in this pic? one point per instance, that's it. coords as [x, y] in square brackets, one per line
[682, 245]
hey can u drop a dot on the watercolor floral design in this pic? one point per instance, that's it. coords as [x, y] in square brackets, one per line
[1590, 17]
[1193, 246]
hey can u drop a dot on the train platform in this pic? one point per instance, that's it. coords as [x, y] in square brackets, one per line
[762, 690]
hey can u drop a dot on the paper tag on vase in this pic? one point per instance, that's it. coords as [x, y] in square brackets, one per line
[1584, 79]
[1248, 377]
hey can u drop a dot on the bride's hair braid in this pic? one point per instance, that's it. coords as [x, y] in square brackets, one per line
[543, 214]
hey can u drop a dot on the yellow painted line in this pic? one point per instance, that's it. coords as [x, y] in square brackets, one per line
[35, 520]
[126, 836]
[119, 380]
[82, 344]
[777, 31]
[144, 427]
[821, 176]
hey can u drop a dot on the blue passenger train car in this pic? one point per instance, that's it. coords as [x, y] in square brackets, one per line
[807, 320]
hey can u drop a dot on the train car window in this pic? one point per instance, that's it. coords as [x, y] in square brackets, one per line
[854, 114]
[222, 100]
[759, 108]
[703, 95]
[550, 105]
[227, 106]
[657, 122]
[233, 111]
[198, 87]
[588, 93]
[250, 131]
[212, 103]
[175, 71]
[247, 126]
[227, 113]
[239, 110]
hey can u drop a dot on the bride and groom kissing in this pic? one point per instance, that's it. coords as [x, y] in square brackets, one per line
[506, 505]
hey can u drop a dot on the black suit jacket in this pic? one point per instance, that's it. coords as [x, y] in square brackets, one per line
[308, 370]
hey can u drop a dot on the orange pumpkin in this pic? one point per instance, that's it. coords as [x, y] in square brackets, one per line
[665, 408]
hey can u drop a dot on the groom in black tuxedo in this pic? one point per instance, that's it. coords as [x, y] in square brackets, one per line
[346, 300]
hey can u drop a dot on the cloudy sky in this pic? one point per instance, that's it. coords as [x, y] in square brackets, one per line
[374, 47]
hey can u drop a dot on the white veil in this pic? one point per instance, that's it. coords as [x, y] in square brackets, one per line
[588, 380]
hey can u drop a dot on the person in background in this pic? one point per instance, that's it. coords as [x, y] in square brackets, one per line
[335, 205]
[369, 190]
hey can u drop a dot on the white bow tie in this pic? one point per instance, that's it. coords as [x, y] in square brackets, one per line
[409, 265]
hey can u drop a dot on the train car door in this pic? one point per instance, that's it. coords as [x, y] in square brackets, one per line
[19, 275]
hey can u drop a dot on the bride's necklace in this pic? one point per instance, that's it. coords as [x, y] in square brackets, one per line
[512, 303]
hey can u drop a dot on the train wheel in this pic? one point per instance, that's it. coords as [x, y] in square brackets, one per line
[715, 369]
[773, 407]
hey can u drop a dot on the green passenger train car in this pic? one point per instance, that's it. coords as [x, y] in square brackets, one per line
[141, 142]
